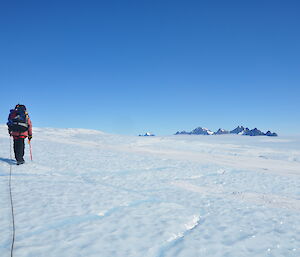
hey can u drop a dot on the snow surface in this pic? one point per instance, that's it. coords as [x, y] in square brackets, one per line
[88, 193]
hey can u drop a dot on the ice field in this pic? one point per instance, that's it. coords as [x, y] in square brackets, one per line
[88, 194]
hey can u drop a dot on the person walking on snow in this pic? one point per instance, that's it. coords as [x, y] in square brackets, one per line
[19, 127]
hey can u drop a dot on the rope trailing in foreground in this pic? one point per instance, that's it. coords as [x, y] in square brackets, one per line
[11, 203]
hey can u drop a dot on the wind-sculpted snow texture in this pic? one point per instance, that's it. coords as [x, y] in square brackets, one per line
[88, 193]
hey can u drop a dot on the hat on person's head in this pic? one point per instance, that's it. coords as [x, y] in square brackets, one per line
[20, 106]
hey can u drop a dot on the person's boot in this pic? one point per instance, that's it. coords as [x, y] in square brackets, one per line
[20, 162]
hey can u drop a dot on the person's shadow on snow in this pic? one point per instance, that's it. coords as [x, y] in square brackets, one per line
[9, 161]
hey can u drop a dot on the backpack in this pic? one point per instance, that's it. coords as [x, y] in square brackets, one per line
[18, 119]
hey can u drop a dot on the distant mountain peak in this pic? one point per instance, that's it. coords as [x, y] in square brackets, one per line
[202, 131]
[196, 131]
[221, 132]
[237, 130]
[147, 134]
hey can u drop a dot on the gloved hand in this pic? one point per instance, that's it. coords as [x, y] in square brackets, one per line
[29, 138]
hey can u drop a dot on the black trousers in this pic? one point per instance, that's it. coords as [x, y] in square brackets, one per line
[19, 147]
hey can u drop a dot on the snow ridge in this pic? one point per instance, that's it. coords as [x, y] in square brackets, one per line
[175, 239]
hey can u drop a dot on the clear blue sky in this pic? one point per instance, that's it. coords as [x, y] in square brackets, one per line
[134, 66]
